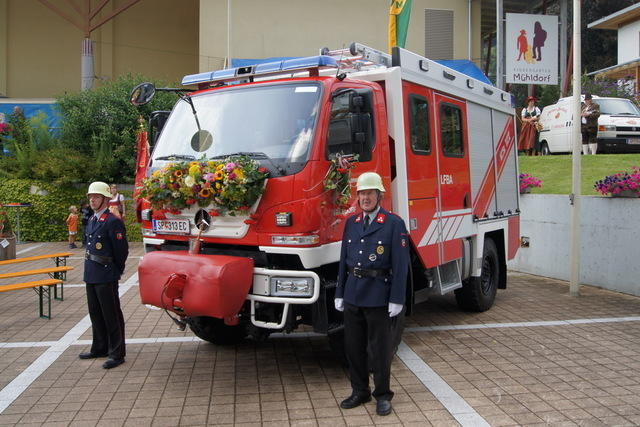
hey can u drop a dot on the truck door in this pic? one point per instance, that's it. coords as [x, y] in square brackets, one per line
[454, 186]
[422, 173]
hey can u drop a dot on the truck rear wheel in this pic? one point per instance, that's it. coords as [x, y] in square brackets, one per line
[215, 331]
[479, 293]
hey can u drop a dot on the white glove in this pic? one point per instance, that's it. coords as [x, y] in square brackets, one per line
[339, 303]
[394, 309]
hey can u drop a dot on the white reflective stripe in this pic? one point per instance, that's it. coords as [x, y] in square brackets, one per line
[455, 224]
[453, 213]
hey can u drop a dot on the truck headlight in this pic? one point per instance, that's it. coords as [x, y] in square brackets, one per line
[607, 128]
[291, 286]
[295, 240]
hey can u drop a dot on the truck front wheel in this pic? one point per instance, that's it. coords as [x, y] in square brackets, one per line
[215, 331]
[478, 293]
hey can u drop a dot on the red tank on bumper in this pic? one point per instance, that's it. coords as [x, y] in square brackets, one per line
[195, 284]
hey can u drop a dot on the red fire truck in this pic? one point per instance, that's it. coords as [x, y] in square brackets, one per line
[442, 141]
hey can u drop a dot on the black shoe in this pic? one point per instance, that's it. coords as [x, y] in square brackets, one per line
[383, 407]
[112, 363]
[355, 400]
[89, 355]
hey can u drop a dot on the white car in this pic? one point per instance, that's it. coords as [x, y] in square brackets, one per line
[618, 126]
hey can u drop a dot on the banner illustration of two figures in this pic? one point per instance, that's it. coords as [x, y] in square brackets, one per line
[531, 49]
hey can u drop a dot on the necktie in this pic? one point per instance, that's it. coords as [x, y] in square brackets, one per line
[366, 221]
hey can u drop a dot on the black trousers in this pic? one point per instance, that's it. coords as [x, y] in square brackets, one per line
[107, 321]
[368, 327]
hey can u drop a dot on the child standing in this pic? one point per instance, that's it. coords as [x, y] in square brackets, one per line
[72, 225]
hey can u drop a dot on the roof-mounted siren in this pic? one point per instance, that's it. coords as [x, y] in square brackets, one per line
[286, 67]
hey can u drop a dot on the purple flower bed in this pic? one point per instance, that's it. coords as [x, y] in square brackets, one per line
[620, 182]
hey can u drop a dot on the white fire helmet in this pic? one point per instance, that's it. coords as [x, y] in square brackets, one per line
[369, 181]
[101, 188]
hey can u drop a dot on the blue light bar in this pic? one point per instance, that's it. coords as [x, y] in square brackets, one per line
[238, 73]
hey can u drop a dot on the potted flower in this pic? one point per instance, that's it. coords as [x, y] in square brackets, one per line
[527, 182]
[622, 184]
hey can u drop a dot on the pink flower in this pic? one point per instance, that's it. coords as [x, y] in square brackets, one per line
[208, 176]
[230, 166]
[232, 176]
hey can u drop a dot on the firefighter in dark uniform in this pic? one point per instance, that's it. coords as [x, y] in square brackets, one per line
[107, 251]
[372, 277]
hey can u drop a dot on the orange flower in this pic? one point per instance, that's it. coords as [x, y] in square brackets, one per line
[178, 173]
[219, 175]
[205, 192]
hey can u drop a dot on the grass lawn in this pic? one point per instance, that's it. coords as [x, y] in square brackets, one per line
[555, 171]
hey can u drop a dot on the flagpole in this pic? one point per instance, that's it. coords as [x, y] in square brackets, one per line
[574, 284]
[228, 34]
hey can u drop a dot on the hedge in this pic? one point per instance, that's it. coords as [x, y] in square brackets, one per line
[44, 220]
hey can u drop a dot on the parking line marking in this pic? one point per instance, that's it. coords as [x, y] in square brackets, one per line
[452, 401]
[523, 324]
[30, 248]
[19, 384]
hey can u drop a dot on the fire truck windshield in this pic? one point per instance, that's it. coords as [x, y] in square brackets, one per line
[277, 121]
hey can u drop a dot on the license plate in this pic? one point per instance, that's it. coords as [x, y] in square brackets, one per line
[633, 141]
[176, 226]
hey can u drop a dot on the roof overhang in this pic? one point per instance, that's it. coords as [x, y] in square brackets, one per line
[618, 19]
[619, 71]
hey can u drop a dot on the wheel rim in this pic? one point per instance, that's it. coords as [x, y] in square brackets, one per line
[488, 275]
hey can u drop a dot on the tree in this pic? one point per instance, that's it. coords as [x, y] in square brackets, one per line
[99, 127]
[599, 47]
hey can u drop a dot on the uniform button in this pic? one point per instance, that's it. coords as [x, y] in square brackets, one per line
[361, 240]
[359, 264]
[360, 252]
[379, 242]
[349, 241]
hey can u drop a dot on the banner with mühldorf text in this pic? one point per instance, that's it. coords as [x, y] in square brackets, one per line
[399, 15]
[531, 49]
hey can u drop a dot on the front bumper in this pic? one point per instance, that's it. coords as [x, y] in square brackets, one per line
[619, 145]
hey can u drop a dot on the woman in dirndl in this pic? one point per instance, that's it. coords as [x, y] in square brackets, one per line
[528, 141]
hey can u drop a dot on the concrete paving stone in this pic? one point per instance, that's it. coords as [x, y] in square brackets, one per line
[166, 421]
[248, 417]
[61, 416]
[136, 422]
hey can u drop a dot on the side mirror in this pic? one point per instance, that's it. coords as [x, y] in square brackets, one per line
[142, 94]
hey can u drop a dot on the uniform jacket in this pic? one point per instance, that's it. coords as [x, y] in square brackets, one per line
[383, 245]
[106, 237]
[591, 124]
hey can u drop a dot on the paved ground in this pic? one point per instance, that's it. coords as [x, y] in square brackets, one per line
[539, 357]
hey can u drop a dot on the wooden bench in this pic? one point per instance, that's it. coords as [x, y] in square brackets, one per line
[42, 287]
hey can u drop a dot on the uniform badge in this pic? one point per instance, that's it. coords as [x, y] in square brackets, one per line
[372, 257]
[380, 218]
[403, 242]
[119, 236]
[98, 245]
[380, 250]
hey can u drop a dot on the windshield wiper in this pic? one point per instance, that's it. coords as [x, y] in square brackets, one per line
[176, 157]
[623, 114]
[256, 155]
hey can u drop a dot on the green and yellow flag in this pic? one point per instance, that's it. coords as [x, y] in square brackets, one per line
[399, 15]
